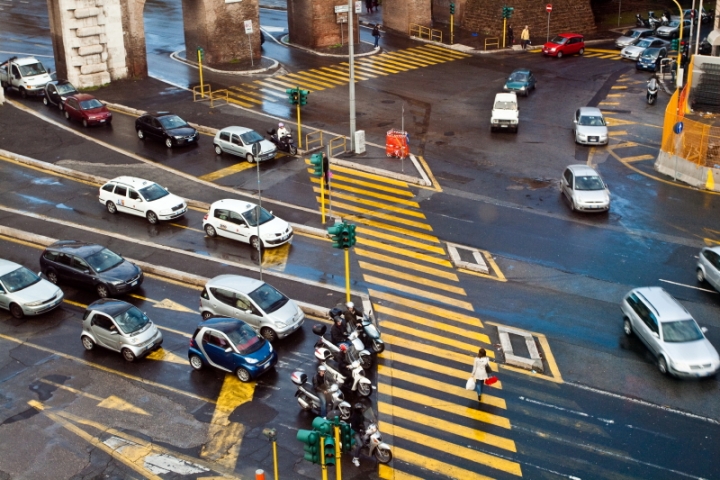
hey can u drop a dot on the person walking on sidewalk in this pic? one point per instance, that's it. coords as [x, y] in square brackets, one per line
[510, 36]
[481, 366]
[369, 6]
[525, 37]
[376, 34]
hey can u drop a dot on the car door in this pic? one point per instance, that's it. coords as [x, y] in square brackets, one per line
[246, 311]
[72, 109]
[215, 345]
[221, 222]
[82, 272]
[63, 267]
[531, 81]
[223, 301]
[241, 230]
[712, 274]
[4, 297]
[154, 127]
[567, 182]
[52, 94]
[236, 145]
[105, 331]
[119, 197]
[134, 203]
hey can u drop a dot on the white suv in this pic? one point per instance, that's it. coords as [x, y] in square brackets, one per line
[505, 113]
[237, 219]
[141, 197]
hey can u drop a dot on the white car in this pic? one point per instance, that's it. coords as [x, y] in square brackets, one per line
[708, 266]
[237, 219]
[505, 112]
[633, 52]
[585, 189]
[142, 198]
[589, 126]
[245, 143]
[23, 293]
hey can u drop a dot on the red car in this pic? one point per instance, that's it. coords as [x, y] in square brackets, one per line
[565, 44]
[86, 109]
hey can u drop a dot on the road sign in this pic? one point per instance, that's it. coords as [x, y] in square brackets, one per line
[678, 128]
[342, 8]
[548, 7]
[248, 27]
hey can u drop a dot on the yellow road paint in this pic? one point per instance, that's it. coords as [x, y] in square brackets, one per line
[401, 251]
[411, 332]
[427, 308]
[389, 62]
[22, 242]
[601, 50]
[416, 291]
[434, 185]
[327, 77]
[339, 182]
[471, 413]
[290, 83]
[465, 453]
[444, 387]
[462, 358]
[386, 472]
[240, 102]
[372, 66]
[440, 53]
[615, 95]
[48, 172]
[224, 436]
[437, 466]
[376, 214]
[270, 86]
[710, 182]
[371, 176]
[461, 332]
[452, 53]
[549, 358]
[408, 59]
[227, 171]
[421, 58]
[402, 240]
[609, 103]
[332, 82]
[618, 87]
[307, 81]
[410, 277]
[433, 367]
[379, 196]
[112, 402]
[615, 122]
[276, 257]
[619, 133]
[185, 227]
[405, 264]
[167, 304]
[163, 355]
[393, 228]
[359, 73]
[480, 274]
[638, 158]
[379, 205]
[345, 73]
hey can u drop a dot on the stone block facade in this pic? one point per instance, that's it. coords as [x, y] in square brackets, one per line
[314, 23]
[398, 15]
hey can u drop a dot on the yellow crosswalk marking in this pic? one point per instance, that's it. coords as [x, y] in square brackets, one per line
[386, 472]
[271, 86]
[398, 250]
[331, 82]
[410, 277]
[403, 263]
[306, 81]
[427, 308]
[389, 63]
[433, 54]
[403, 241]
[240, 102]
[433, 367]
[382, 206]
[638, 158]
[403, 60]
[435, 465]
[443, 340]
[372, 65]
[371, 176]
[224, 172]
[455, 53]
[412, 59]
[345, 71]
[325, 76]
[287, 82]
[462, 358]
[415, 319]
[338, 181]
[452, 408]
[380, 196]
[395, 229]
[444, 387]
[373, 213]
[418, 292]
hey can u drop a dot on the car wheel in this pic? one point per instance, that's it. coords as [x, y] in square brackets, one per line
[87, 342]
[627, 327]
[85, 123]
[572, 205]
[250, 158]
[141, 134]
[255, 243]
[45, 101]
[242, 374]
[128, 354]
[196, 362]
[16, 311]
[111, 208]
[700, 275]
[582, 50]
[559, 55]
[23, 93]
[206, 315]
[268, 334]
[662, 365]
[102, 290]
[364, 389]
[210, 230]
[218, 150]
[168, 142]
[67, 115]
[151, 217]
[52, 276]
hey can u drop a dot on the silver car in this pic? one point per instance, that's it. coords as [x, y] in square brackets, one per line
[245, 143]
[257, 303]
[24, 293]
[708, 266]
[633, 52]
[590, 127]
[121, 327]
[584, 189]
[633, 36]
[669, 331]
[673, 30]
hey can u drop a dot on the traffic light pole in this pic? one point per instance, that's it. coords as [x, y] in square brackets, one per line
[452, 34]
[323, 467]
[298, 117]
[504, 30]
[351, 86]
[199, 57]
[347, 274]
[338, 454]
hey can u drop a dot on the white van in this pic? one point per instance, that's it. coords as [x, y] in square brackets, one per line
[505, 112]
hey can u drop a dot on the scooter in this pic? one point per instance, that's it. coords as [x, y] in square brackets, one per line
[360, 383]
[375, 446]
[652, 91]
[367, 330]
[285, 144]
[326, 350]
[641, 22]
[653, 21]
[308, 400]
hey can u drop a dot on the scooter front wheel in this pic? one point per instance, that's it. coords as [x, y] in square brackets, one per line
[364, 389]
[293, 150]
[383, 455]
[378, 347]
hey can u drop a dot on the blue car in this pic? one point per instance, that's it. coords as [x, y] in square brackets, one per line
[231, 345]
[520, 81]
[650, 59]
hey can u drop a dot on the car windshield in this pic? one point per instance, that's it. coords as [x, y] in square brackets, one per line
[34, 69]
[650, 53]
[559, 40]
[518, 77]
[90, 104]
[268, 299]
[19, 279]
[65, 88]
[502, 105]
[633, 33]
[589, 182]
[644, 43]
[132, 320]
[251, 137]
[172, 121]
[245, 339]
[674, 23]
[104, 260]
[591, 121]
[251, 216]
[153, 192]
[682, 331]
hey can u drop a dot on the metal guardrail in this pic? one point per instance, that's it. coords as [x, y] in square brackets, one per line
[219, 97]
[337, 142]
[492, 41]
[313, 138]
[201, 92]
[425, 32]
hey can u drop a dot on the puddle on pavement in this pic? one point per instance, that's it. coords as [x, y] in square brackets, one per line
[531, 183]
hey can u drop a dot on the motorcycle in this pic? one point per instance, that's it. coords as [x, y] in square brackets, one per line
[285, 144]
[375, 446]
[367, 330]
[641, 22]
[326, 350]
[308, 400]
[360, 383]
[652, 91]
[653, 21]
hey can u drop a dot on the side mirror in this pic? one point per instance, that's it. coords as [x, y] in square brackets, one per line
[703, 329]
[248, 312]
[655, 334]
[575, 121]
[228, 350]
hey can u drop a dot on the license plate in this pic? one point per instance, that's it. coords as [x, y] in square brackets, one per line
[593, 139]
[133, 283]
[102, 121]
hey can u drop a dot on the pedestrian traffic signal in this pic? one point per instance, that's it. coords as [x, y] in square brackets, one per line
[452, 9]
[312, 445]
[303, 96]
[335, 233]
[347, 437]
[316, 160]
[351, 234]
[292, 95]
[674, 44]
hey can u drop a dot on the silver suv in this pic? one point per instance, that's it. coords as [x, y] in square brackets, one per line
[670, 332]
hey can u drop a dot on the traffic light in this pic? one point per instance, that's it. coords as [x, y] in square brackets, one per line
[345, 237]
[335, 233]
[292, 95]
[510, 11]
[311, 440]
[674, 44]
[329, 450]
[316, 160]
[351, 234]
[303, 96]
[200, 53]
[452, 8]
[347, 437]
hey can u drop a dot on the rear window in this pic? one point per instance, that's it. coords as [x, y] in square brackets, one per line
[503, 105]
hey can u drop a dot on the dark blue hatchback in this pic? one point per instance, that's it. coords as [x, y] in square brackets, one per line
[231, 345]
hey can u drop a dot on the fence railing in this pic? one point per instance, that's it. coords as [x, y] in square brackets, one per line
[201, 92]
[219, 97]
[425, 32]
[337, 143]
[313, 138]
[492, 42]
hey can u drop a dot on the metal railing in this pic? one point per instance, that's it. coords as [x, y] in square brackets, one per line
[313, 138]
[425, 32]
[219, 97]
[201, 92]
[336, 143]
[492, 41]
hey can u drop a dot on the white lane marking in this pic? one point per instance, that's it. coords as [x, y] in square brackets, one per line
[557, 407]
[687, 286]
[651, 432]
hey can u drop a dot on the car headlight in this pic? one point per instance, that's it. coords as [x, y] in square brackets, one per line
[35, 304]
[271, 347]
[522, 88]
[281, 324]
[178, 137]
[251, 361]
[134, 340]
[117, 283]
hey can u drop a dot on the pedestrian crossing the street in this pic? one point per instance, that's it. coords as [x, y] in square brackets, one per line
[272, 89]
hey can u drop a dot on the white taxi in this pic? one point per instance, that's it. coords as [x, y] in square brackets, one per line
[237, 219]
[142, 198]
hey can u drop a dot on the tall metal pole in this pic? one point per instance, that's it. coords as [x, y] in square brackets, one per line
[699, 17]
[692, 24]
[548, 29]
[351, 52]
[619, 10]
[257, 217]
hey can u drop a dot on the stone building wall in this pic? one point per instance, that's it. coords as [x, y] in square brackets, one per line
[313, 23]
[399, 14]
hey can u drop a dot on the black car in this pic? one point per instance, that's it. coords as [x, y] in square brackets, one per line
[90, 266]
[650, 59]
[169, 128]
[57, 91]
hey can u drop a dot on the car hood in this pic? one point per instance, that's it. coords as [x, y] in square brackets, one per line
[145, 335]
[124, 272]
[700, 351]
[591, 195]
[185, 131]
[167, 202]
[261, 354]
[97, 112]
[626, 41]
[286, 314]
[666, 29]
[591, 130]
[633, 50]
[266, 146]
[42, 290]
[516, 85]
[276, 225]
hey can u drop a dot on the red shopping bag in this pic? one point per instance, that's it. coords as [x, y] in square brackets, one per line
[491, 380]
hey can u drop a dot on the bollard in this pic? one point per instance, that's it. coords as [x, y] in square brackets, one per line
[259, 474]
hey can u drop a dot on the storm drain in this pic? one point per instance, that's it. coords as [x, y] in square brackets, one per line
[534, 362]
[468, 258]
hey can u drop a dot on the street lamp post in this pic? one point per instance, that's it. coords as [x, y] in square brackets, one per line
[351, 92]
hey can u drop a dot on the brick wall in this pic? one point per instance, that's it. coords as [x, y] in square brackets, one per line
[313, 23]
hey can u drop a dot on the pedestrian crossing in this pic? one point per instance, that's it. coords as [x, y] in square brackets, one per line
[272, 89]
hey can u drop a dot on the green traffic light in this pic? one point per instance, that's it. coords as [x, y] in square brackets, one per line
[335, 233]
[311, 440]
[316, 160]
[329, 450]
